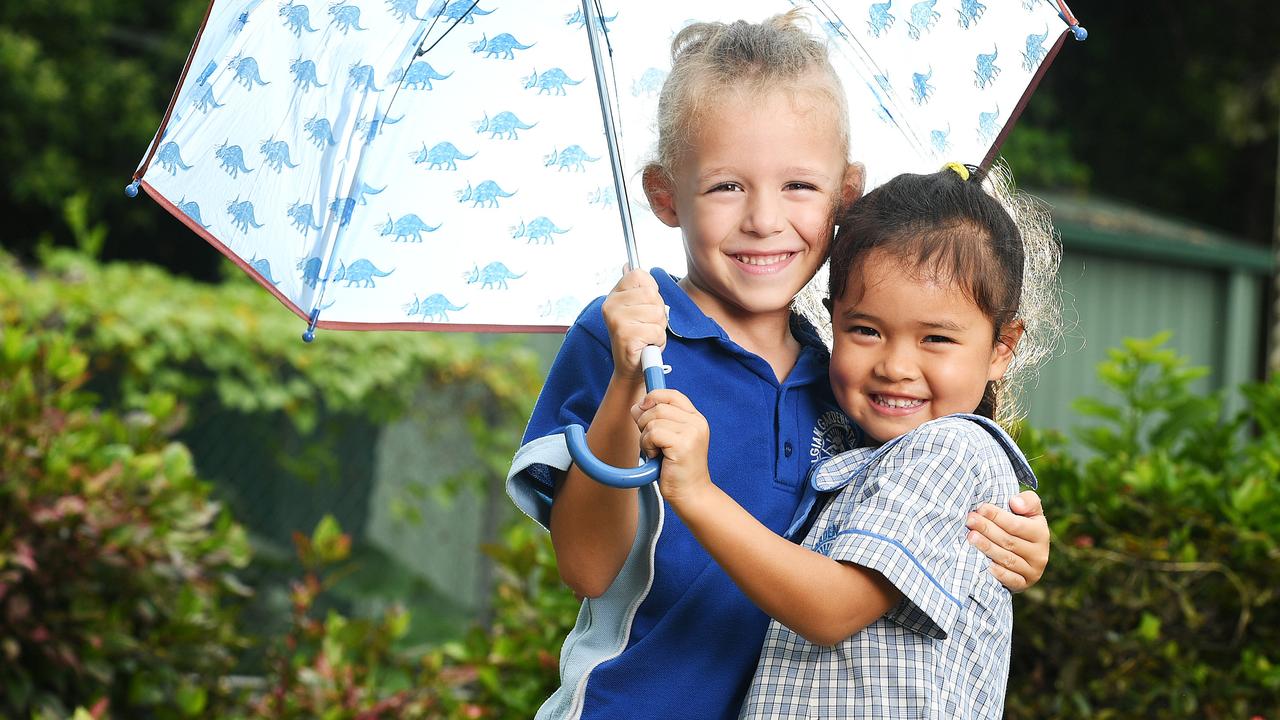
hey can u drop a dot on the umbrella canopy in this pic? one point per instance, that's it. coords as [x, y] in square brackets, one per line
[443, 164]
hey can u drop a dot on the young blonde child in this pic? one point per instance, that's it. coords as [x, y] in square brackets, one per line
[752, 165]
[884, 611]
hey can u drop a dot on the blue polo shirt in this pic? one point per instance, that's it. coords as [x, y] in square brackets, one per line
[673, 637]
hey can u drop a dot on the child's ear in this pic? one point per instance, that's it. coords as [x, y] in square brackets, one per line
[1002, 353]
[854, 178]
[662, 198]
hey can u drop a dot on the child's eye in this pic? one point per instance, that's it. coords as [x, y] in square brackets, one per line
[938, 339]
[799, 186]
[726, 187]
[864, 331]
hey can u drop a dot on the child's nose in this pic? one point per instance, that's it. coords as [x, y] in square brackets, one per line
[897, 364]
[764, 215]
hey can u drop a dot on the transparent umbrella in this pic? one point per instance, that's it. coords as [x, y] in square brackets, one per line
[474, 164]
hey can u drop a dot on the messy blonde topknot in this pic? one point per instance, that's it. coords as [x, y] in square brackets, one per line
[709, 59]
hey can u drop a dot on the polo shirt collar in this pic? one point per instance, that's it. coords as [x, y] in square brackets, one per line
[686, 319]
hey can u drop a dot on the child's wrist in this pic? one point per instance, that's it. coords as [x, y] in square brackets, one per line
[693, 497]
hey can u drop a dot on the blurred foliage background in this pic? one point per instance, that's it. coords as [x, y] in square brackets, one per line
[138, 581]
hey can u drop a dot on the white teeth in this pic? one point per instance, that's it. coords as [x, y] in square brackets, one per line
[761, 259]
[898, 402]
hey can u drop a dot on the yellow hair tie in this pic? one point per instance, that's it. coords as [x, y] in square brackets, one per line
[959, 169]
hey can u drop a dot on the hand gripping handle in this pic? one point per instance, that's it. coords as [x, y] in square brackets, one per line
[576, 437]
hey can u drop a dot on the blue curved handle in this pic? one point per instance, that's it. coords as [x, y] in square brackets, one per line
[576, 438]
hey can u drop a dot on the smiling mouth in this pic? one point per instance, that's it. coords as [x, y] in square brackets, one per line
[764, 261]
[896, 403]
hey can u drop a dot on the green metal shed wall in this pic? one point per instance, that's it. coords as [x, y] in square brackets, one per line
[1212, 312]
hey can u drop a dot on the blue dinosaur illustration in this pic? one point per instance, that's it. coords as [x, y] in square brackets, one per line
[986, 71]
[320, 132]
[359, 273]
[1035, 51]
[302, 218]
[409, 227]
[296, 17]
[835, 29]
[885, 85]
[366, 189]
[304, 74]
[460, 10]
[205, 101]
[563, 308]
[442, 156]
[571, 158]
[418, 77]
[170, 158]
[939, 139]
[238, 24]
[246, 71]
[540, 230]
[605, 196]
[310, 268]
[987, 125]
[207, 73]
[346, 16]
[362, 77]
[649, 83]
[241, 212]
[921, 90]
[231, 158]
[435, 307]
[576, 18]
[403, 9]
[191, 209]
[923, 18]
[880, 19]
[970, 13]
[503, 125]
[263, 268]
[373, 128]
[341, 209]
[486, 194]
[499, 47]
[276, 154]
[492, 276]
[551, 81]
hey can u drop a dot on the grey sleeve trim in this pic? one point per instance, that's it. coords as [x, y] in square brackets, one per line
[531, 494]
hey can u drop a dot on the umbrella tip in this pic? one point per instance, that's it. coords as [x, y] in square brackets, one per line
[310, 335]
[131, 189]
[1080, 33]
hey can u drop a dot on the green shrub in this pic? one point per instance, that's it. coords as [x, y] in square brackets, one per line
[1160, 596]
[116, 570]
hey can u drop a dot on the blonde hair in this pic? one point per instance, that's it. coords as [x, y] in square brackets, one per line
[709, 59]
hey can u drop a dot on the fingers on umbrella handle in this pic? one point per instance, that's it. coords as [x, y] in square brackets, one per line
[576, 438]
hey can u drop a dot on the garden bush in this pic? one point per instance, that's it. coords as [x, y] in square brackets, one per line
[1160, 596]
[117, 570]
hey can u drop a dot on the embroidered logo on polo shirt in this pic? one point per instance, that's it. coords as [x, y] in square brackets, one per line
[832, 435]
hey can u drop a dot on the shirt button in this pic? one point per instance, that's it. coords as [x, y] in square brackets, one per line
[787, 449]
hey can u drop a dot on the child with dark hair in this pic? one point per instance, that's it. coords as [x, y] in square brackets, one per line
[885, 611]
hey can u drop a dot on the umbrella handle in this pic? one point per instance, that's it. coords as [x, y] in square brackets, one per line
[576, 437]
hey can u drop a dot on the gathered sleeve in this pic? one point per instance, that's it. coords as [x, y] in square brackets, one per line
[907, 522]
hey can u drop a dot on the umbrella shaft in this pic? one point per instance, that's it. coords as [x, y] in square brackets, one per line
[610, 132]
